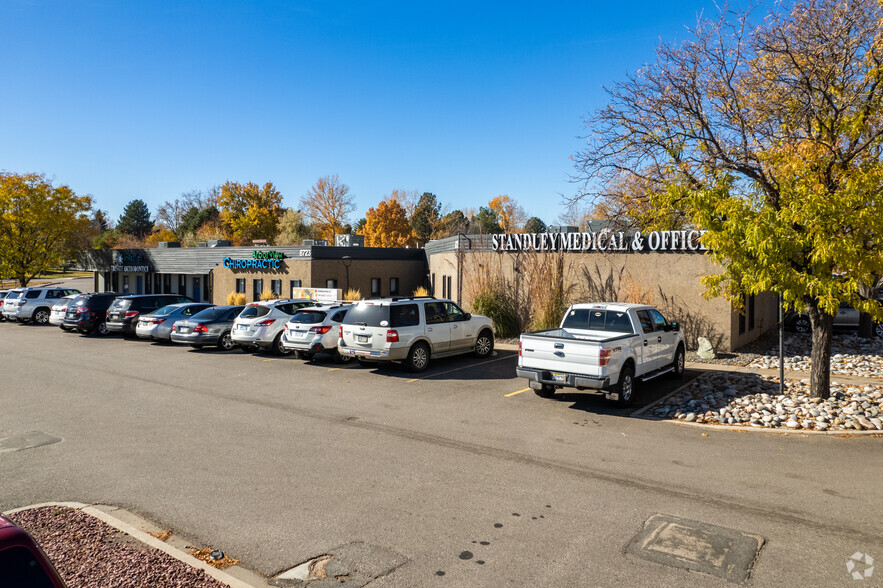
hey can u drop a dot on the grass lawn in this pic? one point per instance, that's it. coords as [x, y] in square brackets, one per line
[49, 275]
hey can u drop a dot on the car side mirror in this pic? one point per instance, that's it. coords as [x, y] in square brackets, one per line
[467, 316]
[675, 327]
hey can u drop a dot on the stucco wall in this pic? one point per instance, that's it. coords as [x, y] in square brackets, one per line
[670, 281]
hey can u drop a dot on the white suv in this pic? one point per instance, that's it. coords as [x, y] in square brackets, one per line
[315, 329]
[413, 330]
[261, 324]
[26, 304]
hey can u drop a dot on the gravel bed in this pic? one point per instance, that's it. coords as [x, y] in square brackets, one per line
[738, 399]
[90, 553]
[850, 355]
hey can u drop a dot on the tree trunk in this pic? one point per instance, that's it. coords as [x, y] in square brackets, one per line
[822, 331]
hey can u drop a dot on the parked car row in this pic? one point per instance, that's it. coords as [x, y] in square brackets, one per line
[408, 330]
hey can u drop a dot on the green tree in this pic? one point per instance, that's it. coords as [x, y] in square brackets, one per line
[534, 225]
[769, 135]
[426, 217]
[135, 219]
[293, 228]
[453, 223]
[194, 218]
[487, 221]
[251, 211]
[38, 222]
[359, 227]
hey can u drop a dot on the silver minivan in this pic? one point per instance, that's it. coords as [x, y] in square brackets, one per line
[413, 330]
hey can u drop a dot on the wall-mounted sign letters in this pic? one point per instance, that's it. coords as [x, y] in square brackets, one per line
[603, 240]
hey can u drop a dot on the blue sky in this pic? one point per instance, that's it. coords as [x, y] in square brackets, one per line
[129, 99]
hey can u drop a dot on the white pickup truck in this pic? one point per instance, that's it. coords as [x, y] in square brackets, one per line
[602, 347]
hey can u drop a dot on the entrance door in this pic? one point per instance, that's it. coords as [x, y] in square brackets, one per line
[197, 291]
[139, 284]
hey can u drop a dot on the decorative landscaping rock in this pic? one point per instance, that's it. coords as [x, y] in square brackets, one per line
[706, 349]
[739, 399]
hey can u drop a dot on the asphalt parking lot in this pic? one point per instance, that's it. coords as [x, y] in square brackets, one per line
[456, 470]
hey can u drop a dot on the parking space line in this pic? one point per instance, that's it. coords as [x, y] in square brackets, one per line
[514, 393]
[273, 359]
[459, 368]
[333, 369]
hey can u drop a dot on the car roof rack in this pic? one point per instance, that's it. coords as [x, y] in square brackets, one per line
[397, 298]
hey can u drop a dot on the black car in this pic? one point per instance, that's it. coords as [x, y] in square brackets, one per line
[122, 316]
[87, 312]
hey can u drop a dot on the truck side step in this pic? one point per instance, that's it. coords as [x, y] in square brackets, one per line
[658, 373]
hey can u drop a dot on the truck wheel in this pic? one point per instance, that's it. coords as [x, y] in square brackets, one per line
[545, 391]
[626, 386]
[418, 358]
[484, 345]
[678, 365]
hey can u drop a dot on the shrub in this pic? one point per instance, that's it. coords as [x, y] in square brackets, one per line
[268, 294]
[500, 308]
[352, 294]
[236, 298]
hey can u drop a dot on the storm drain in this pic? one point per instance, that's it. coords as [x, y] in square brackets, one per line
[692, 545]
[26, 441]
[352, 564]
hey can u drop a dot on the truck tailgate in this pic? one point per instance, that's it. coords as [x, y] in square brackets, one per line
[555, 355]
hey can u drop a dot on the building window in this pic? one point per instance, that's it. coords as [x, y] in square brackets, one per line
[167, 284]
[182, 285]
[751, 312]
[432, 285]
[331, 283]
[375, 286]
[393, 286]
[240, 285]
[148, 284]
[276, 287]
[257, 286]
[444, 286]
[741, 322]
[207, 289]
[294, 284]
[450, 287]
[125, 283]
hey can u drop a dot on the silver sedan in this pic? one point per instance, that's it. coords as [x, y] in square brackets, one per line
[158, 324]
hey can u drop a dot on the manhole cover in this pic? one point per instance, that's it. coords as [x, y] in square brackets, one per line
[692, 545]
[26, 441]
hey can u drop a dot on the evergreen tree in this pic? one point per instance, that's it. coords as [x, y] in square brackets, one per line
[136, 219]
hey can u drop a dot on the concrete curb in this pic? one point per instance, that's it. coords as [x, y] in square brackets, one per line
[102, 512]
[775, 431]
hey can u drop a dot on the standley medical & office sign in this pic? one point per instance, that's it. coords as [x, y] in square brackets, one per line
[259, 260]
[603, 240]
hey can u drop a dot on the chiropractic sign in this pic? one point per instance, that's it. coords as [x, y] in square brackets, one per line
[259, 260]
[603, 240]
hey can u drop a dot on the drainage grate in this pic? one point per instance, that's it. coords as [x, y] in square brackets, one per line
[692, 545]
[26, 441]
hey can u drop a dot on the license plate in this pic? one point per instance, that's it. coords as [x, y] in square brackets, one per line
[559, 377]
[362, 338]
[183, 330]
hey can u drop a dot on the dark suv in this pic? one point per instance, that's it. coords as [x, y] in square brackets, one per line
[87, 312]
[122, 316]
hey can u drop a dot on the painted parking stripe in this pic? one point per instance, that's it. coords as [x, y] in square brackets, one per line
[514, 393]
[273, 359]
[333, 369]
[460, 368]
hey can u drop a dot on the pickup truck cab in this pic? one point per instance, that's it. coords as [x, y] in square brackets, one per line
[602, 347]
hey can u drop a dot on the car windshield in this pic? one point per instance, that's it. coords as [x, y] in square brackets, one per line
[121, 303]
[596, 319]
[254, 311]
[308, 317]
[369, 315]
[210, 314]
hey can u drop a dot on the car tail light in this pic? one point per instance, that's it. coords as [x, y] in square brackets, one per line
[604, 357]
[320, 330]
[131, 313]
[200, 329]
[22, 302]
[83, 310]
[340, 331]
[157, 321]
[519, 349]
[265, 323]
[392, 336]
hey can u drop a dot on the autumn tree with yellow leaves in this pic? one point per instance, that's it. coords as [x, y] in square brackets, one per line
[250, 211]
[328, 206]
[768, 133]
[38, 222]
[510, 214]
[388, 226]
